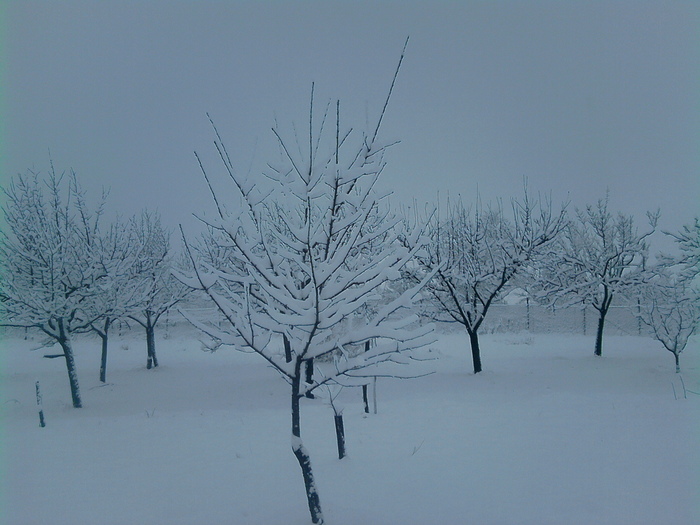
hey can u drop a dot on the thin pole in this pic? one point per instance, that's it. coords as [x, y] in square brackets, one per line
[40, 406]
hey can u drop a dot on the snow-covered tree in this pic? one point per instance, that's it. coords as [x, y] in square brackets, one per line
[296, 260]
[599, 256]
[154, 267]
[669, 304]
[687, 261]
[123, 290]
[670, 307]
[49, 265]
[476, 253]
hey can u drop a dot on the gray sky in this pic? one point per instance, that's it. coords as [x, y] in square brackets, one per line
[576, 96]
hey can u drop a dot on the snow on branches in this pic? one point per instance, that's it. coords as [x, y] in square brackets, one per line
[598, 257]
[476, 253]
[51, 269]
[669, 303]
[307, 257]
[670, 307]
[299, 263]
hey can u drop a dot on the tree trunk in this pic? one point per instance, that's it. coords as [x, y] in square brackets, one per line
[476, 355]
[64, 341]
[364, 387]
[310, 376]
[599, 332]
[678, 364]
[340, 434]
[152, 360]
[300, 451]
[103, 361]
[287, 349]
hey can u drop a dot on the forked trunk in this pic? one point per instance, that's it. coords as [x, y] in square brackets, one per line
[476, 353]
[300, 452]
[602, 311]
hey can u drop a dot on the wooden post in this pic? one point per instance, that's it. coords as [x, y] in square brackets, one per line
[40, 406]
[364, 387]
[374, 395]
[527, 305]
[639, 316]
[340, 434]
[365, 399]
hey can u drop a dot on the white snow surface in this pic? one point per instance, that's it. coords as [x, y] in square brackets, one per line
[546, 434]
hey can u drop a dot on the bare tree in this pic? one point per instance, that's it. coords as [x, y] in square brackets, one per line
[687, 261]
[671, 308]
[476, 253]
[154, 268]
[599, 257]
[301, 262]
[123, 290]
[670, 301]
[50, 270]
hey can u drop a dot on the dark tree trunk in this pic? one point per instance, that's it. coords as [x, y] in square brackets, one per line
[300, 451]
[678, 364]
[310, 375]
[599, 332]
[104, 335]
[364, 387]
[476, 354]
[287, 350]
[103, 359]
[152, 360]
[602, 311]
[64, 341]
[340, 434]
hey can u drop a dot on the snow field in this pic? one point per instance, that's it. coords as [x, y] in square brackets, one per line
[546, 434]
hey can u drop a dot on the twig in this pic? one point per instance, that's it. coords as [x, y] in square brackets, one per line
[417, 448]
[685, 392]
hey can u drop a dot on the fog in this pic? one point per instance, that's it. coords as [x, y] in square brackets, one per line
[575, 97]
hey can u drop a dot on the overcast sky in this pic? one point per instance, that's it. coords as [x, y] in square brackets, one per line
[576, 96]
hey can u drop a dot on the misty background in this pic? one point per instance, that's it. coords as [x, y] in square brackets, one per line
[576, 97]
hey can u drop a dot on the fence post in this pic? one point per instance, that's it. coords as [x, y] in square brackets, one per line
[40, 406]
[527, 305]
[639, 317]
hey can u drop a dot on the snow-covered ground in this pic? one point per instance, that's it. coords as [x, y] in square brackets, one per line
[546, 434]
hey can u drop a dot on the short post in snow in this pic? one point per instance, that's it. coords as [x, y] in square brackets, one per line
[527, 308]
[374, 395]
[40, 406]
[365, 398]
[340, 433]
